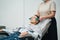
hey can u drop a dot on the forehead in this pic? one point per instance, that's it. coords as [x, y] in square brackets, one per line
[34, 17]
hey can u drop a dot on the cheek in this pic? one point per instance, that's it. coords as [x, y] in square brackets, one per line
[33, 19]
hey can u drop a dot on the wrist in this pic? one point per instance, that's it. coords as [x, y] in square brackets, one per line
[45, 17]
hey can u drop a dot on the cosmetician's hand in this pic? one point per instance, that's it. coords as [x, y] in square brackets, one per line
[42, 18]
[23, 34]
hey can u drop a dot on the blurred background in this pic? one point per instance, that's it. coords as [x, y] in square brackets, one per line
[15, 13]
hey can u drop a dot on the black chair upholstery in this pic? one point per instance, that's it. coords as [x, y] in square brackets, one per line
[28, 38]
[3, 33]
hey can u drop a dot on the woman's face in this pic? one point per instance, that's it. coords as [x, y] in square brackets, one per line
[33, 20]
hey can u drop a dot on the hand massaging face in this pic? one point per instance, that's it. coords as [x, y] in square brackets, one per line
[34, 19]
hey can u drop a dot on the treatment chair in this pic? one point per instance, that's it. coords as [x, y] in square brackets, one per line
[3, 33]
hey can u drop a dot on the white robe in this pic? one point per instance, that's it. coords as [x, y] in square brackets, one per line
[39, 29]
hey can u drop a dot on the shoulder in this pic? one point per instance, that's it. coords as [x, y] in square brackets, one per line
[41, 3]
[53, 2]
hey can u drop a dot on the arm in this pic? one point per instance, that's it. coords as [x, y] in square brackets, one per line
[51, 15]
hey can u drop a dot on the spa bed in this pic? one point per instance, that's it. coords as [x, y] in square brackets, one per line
[43, 31]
